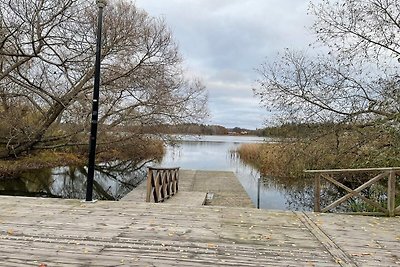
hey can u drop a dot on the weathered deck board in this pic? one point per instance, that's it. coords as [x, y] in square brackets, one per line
[187, 199]
[224, 185]
[370, 241]
[70, 233]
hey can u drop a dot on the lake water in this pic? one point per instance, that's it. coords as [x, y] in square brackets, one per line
[115, 179]
[218, 153]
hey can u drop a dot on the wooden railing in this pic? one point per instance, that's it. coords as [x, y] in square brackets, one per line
[162, 183]
[389, 209]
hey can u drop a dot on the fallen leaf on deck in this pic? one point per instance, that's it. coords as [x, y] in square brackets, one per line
[210, 245]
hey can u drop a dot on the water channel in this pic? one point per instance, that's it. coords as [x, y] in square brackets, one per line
[115, 179]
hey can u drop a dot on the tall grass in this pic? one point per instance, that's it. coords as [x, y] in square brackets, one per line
[328, 151]
[270, 159]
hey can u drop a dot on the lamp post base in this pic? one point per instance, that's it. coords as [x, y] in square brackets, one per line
[91, 201]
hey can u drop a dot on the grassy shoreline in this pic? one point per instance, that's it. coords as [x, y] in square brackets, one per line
[276, 159]
[292, 157]
[153, 149]
[44, 159]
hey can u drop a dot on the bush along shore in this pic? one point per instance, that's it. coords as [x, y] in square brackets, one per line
[137, 152]
[328, 150]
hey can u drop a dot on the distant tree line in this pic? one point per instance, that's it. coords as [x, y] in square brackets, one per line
[296, 130]
[201, 129]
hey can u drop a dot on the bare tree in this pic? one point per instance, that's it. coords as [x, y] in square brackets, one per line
[364, 29]
[357, 81]
[47, 56]
[319, 89]
[352, 85]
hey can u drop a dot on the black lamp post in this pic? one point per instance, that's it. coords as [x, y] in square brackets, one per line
[95, 106]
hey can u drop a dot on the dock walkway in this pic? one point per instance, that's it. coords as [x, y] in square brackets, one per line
[223, 186]
[59, 232]
[71, 233]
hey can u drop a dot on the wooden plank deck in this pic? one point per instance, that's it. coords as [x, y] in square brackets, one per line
[126, 233]
[194, 185]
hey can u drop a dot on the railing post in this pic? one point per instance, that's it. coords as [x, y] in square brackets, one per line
[149, 187]
[317, 193]
[157, 183]
[258, 192]
[176, 180]
[162, 183]
[391, 204]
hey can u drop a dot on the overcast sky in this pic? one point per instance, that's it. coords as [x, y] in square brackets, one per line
[224, 41]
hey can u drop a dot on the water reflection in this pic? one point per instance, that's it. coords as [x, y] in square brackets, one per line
[112, 181]
[281, 194]
[115, 179]
[218, 153]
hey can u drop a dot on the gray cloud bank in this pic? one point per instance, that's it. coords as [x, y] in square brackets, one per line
[223, 41]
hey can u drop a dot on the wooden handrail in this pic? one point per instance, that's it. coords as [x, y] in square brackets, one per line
[162, 183]
[390, 173]
[397, 169]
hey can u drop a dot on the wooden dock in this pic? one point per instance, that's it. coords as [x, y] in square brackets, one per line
[60, 232]
[70, 233]
[194, 185]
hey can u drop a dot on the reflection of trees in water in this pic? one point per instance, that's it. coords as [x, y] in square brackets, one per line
[68, 182]
[126, 175]
[299, 192]
[112, 181]
[36, 183]
[376, 192]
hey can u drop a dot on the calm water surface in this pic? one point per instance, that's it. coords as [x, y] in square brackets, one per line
[217, 153]
[114, 180]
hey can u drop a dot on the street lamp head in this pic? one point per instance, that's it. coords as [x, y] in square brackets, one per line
[101, 3]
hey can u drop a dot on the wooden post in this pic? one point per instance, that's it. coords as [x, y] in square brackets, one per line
[258, 192]
[317, 193]
[149, 187]
[176, 180]
[391, 204]
[162, 183]
[169, 183]
[157, 183]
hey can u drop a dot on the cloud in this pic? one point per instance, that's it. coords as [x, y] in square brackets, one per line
[223, 41]
[232, 104]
